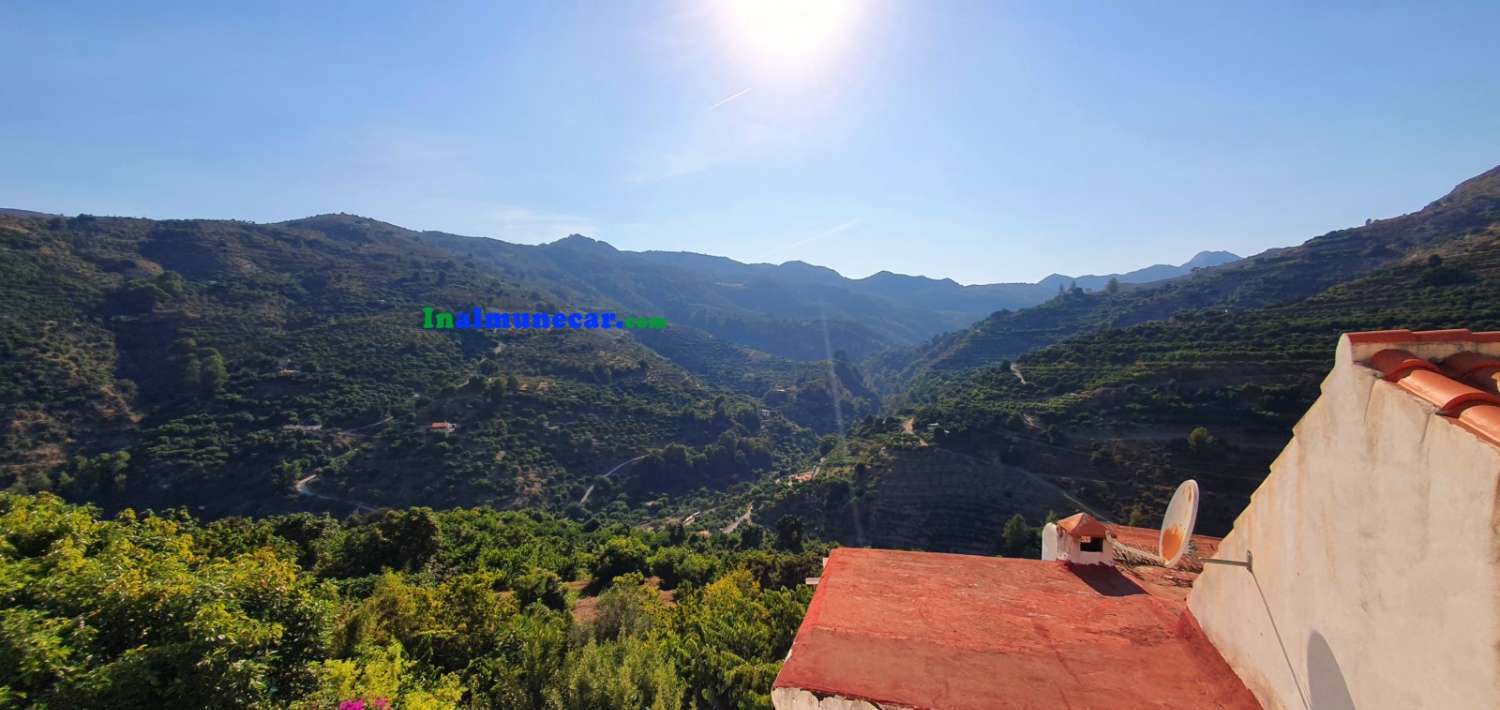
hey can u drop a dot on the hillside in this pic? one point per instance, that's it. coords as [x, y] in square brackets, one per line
[1272, 277]
[793, 310]
[213, 364]
[940, 304]
[1117, 416]
[801, 321]
[236, 368]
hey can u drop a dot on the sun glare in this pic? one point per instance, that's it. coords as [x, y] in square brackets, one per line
[789, 37]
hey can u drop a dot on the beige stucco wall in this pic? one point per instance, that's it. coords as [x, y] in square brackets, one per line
[1375, 557]
[799, 699]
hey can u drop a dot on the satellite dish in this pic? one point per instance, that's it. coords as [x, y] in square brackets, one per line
[1177, 526]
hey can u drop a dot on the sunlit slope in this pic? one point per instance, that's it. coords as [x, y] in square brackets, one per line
[195, 346]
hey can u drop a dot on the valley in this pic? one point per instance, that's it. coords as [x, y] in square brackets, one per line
[227, 366]
[748, 355]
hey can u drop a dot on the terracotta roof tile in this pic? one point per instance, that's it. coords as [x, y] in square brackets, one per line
[1448, 394]
[1083, 524]
[1476, 369]
[1395, 364]
[1427, 381]
[1482, 419]
[1466, 387]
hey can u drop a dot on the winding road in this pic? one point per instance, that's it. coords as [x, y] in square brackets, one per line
[302, 490]
[585, 499]
[730, 528]
[350, 432]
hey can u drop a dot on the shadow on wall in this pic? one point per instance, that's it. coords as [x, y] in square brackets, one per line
[1325, 680]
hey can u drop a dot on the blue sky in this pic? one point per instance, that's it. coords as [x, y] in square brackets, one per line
[980, 141]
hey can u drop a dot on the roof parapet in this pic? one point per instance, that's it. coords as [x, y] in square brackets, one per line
[1424, 336]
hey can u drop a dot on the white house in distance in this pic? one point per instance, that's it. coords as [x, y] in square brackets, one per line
[1078, 538]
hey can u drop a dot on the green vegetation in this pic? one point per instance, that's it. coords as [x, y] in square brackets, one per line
[229, 368]
[418, 609]
[229, 360]
[1117, 416]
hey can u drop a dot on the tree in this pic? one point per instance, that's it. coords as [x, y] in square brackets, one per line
[626, 608]
[214, 374]
[621, 555]
[1200, 441]
[171, 282]
[540, 585]
[142, 297]
[192, 374]
[789, 533]
[676, 533]
[1113, 286]
[1017, 536]
[751, 536]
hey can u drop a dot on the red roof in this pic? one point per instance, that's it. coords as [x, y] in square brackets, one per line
[933, 630]
[1148, 538]
[1157, 580]
[1082, 525]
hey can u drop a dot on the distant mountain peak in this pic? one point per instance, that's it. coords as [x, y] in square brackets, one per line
[1485, 185]
[580, 242]
[803, 266]
[1210, 258]
[890, 276]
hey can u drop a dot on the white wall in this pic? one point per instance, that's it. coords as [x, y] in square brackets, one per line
[799, 699]
[1057, 544]
[1051, 541]
[1375, 557]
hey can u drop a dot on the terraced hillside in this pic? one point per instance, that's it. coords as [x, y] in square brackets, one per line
[1111, 416]
[215, 363]
[1274, 277]
[888, 487]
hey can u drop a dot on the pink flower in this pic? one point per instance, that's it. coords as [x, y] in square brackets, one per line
[355, 704]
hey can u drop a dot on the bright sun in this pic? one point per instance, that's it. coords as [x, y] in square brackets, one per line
[789, 37]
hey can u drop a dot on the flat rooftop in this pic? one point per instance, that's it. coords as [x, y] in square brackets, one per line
[1158, 580]
[934, 630]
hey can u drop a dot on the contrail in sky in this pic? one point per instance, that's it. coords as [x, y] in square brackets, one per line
[730, 97]
[845, 226]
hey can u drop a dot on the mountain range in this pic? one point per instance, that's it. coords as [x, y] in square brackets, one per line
[234, 367]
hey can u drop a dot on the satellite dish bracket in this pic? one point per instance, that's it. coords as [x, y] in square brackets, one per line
[1248, 563]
